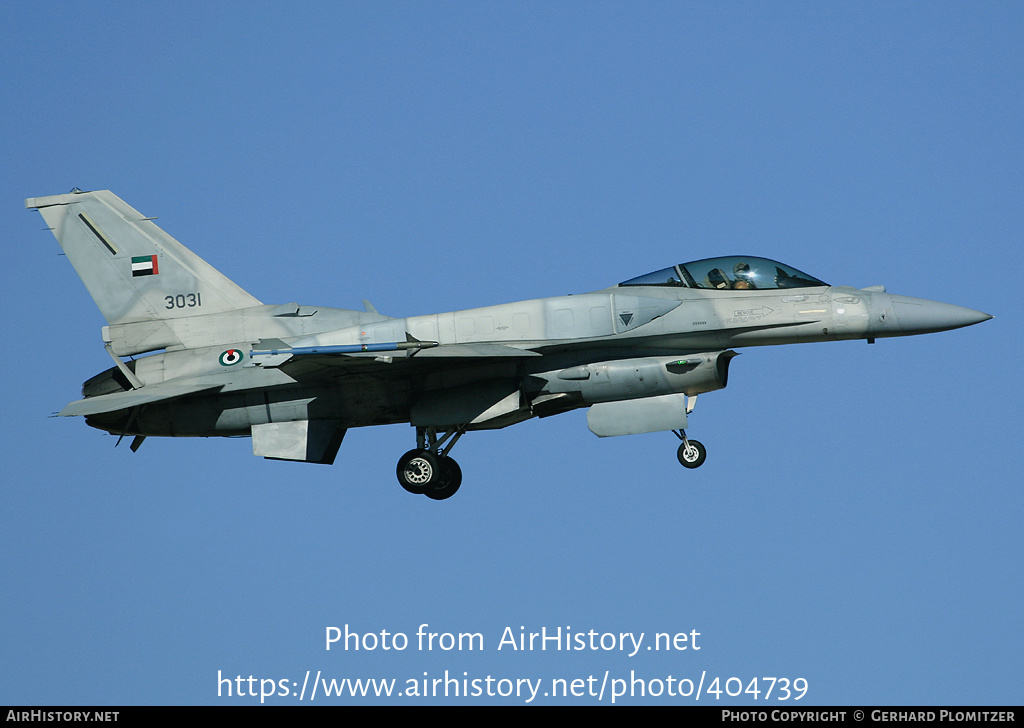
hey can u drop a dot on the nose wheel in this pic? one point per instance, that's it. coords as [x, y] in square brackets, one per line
[428, 470]
[691, 453]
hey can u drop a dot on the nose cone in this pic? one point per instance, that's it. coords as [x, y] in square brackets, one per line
[920, 316]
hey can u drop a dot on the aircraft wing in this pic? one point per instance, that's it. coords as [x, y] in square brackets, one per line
[302, 360]
[462, 351]
[135, 397]
[309, 364]
[356, 356]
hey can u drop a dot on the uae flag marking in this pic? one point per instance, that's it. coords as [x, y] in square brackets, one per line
[144, 265]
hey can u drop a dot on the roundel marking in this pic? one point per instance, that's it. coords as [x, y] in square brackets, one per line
[230, 357]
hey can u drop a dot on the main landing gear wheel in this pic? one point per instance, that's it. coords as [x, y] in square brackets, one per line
[691, 454]
[448, 481]
[428, 470]
[419, 471]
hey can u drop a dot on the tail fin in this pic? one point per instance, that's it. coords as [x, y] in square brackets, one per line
[133, 270]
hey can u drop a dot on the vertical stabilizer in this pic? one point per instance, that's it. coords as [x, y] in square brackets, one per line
[133, 270]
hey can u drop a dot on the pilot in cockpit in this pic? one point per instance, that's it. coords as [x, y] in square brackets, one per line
[744, 278]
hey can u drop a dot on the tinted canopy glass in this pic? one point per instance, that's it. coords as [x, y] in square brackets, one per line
[737, 272]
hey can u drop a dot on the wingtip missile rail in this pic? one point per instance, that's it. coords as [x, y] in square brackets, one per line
[347, 348]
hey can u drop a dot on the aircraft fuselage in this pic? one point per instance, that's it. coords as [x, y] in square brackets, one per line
[295, 378]
[616, 332]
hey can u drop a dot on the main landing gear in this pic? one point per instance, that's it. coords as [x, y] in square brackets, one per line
[428, 470]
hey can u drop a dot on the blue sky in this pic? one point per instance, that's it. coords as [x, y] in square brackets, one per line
[857, 523]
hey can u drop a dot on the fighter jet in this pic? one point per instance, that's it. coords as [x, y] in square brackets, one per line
[295, 378]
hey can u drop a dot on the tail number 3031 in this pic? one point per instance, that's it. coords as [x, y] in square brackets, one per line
[183, 300]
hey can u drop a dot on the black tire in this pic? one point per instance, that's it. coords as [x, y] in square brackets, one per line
[692, 457]
[449, 480]
[418, 471]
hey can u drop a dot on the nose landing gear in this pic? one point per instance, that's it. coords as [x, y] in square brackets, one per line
[428, 470]
[691, 453]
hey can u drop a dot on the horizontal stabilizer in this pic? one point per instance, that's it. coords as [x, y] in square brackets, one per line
[134, 398]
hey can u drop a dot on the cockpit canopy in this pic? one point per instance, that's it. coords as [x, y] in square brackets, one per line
[738, 272]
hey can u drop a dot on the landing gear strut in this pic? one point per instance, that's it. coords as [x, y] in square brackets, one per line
[691, 453]
[428, 470]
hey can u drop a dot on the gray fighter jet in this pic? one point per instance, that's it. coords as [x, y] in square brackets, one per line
[296, 377]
